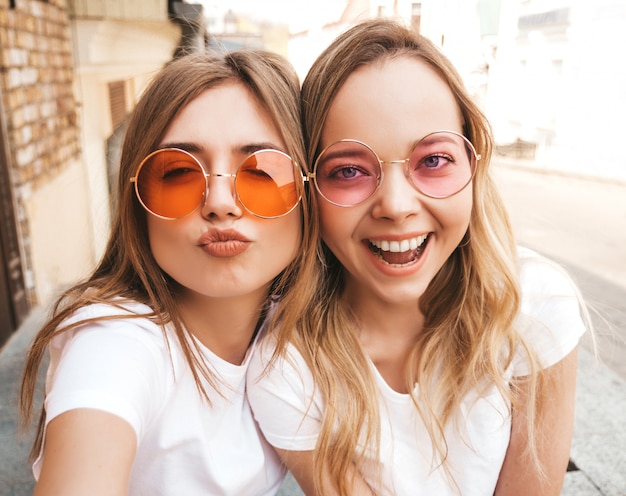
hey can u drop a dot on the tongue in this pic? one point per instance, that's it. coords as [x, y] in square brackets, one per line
[398, 258]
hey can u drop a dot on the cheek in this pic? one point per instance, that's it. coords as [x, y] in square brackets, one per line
[340, 230]
[334, 223]
[284, 237]
[294, 235]
[156, 235]
[165, 241]
[467, 199]
[456, 214]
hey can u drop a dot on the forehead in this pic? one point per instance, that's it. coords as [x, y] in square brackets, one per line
[391, 104]
[226, 112]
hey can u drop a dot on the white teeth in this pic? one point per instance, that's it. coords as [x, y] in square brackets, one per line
[399, 246]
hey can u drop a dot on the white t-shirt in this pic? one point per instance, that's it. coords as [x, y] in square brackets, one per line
[281, 400]
[184, 445]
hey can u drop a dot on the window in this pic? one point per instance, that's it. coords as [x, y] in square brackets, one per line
[416, 16]
[117, 102]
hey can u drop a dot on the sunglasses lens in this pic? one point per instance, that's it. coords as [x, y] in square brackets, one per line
[347, 173]
[266, 185]
[442, 164]
[170, 183]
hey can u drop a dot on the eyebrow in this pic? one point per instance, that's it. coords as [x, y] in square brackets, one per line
[437, 138]
[255, 147]
[188, 147]
[361, 151]
[440, 138]
[246, 149]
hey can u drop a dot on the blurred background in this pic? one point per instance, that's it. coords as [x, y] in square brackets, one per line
[549, 74]
[545, 72]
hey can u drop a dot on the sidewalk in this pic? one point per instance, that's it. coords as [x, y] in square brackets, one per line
[15, 476]
[598, 450]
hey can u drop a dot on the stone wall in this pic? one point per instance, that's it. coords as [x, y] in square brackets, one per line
[40, 110]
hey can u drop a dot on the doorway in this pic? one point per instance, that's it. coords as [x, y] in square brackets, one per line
[14, 305]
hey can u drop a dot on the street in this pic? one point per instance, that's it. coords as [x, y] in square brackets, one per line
[580, 223]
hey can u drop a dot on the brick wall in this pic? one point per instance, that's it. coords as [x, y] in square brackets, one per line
[40, 113]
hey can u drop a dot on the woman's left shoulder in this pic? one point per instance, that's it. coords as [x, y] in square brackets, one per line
[540, 276]
[552, 313]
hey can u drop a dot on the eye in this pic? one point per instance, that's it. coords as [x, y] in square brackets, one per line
[267, 165]
[177, 172]
[346, 168]
[255, 173]
[435, 161]
[346, 172]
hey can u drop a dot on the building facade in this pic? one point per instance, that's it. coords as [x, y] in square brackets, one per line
[70, 71]
[41, 152]
[557, 80]
[549, 74]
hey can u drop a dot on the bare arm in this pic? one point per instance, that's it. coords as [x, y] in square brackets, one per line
[554, 436]
[87, 451]
[300, 464]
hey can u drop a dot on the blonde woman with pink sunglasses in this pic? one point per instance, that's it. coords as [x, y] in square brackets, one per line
[438, 357]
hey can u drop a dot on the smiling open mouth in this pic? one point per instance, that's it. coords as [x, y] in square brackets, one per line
[399, 253]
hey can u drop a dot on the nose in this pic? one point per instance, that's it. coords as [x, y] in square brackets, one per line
[396, 199]
[220, 200]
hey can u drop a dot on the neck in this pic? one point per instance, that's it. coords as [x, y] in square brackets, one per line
[387, 332]
[224, 325]
[376, 316]
[388, 326]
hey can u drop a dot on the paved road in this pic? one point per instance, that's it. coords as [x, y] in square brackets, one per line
[580, 223]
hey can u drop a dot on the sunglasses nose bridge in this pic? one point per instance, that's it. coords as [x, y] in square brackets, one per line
[392, 162]
[208, 175]
[404, 162]
[405, 170]
[218, 174]
[220, 197]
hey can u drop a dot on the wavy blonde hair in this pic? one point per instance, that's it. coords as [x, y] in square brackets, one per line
[469, 307]
[128, 271]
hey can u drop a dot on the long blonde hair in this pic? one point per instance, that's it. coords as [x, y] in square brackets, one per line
[469, 307]
[128, 271]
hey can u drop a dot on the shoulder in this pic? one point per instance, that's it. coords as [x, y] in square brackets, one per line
[282, 394]
[266, 364]
[279, 376]
[110, 323]
[113, 361]
[552, 317]
[115, 310]
[542, 277]
[110, 342]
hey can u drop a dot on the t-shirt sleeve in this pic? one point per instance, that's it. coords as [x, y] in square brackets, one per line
[550, 319]
[283, 399]
[116, 366]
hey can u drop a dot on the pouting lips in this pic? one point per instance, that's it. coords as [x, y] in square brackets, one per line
[399, 253]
